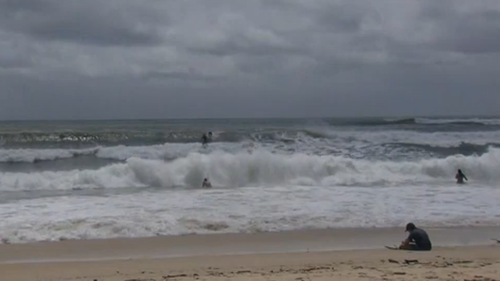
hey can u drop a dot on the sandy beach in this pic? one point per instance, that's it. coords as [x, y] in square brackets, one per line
[160, 258]
[457, 263]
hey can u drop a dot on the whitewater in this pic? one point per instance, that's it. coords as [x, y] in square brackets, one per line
[104, 179]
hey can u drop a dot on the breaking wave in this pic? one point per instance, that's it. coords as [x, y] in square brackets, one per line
[260, 168]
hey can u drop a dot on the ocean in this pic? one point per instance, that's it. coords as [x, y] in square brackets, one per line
[64, 180]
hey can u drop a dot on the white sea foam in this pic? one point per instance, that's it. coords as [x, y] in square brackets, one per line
[33, 155]
[166, 151]
[250, 209]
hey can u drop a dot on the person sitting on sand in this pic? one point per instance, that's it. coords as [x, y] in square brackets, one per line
[206, 183]
[418, 239]
[460, 177]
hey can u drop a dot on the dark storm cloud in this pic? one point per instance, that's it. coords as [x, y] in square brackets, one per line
[465, 27]
[86, 22]
[163, 58]
[6, 62]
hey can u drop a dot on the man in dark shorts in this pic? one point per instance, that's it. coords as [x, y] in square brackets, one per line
[418, 239]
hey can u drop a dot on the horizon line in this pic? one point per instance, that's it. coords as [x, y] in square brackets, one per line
[251, 118]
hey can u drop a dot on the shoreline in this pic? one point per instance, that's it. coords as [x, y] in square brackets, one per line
[298, 241]
[475, 263]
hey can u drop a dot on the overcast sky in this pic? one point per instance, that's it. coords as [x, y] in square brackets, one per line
[80, 59]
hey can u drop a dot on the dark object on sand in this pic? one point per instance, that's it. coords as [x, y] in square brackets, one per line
[174, 276]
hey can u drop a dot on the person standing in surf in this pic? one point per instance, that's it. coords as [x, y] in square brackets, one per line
[460, 177]
[206, 183]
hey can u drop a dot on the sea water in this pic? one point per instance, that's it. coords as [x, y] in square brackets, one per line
[104, 179]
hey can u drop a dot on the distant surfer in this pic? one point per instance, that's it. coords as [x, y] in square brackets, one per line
[460, 177]
[204, 139]
[418, 239]
[206, 183]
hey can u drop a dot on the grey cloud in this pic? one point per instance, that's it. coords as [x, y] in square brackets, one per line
[346, 18]
[162, 58]
[191, 77]
[330, 16]
[475, 33]
[14, 6]
[242, 43]
[464, 26]
[14, 63]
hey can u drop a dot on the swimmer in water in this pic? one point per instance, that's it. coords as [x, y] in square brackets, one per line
[460, 177]
[206, 183]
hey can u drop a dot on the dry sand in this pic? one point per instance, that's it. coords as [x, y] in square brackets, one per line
[110, 260]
